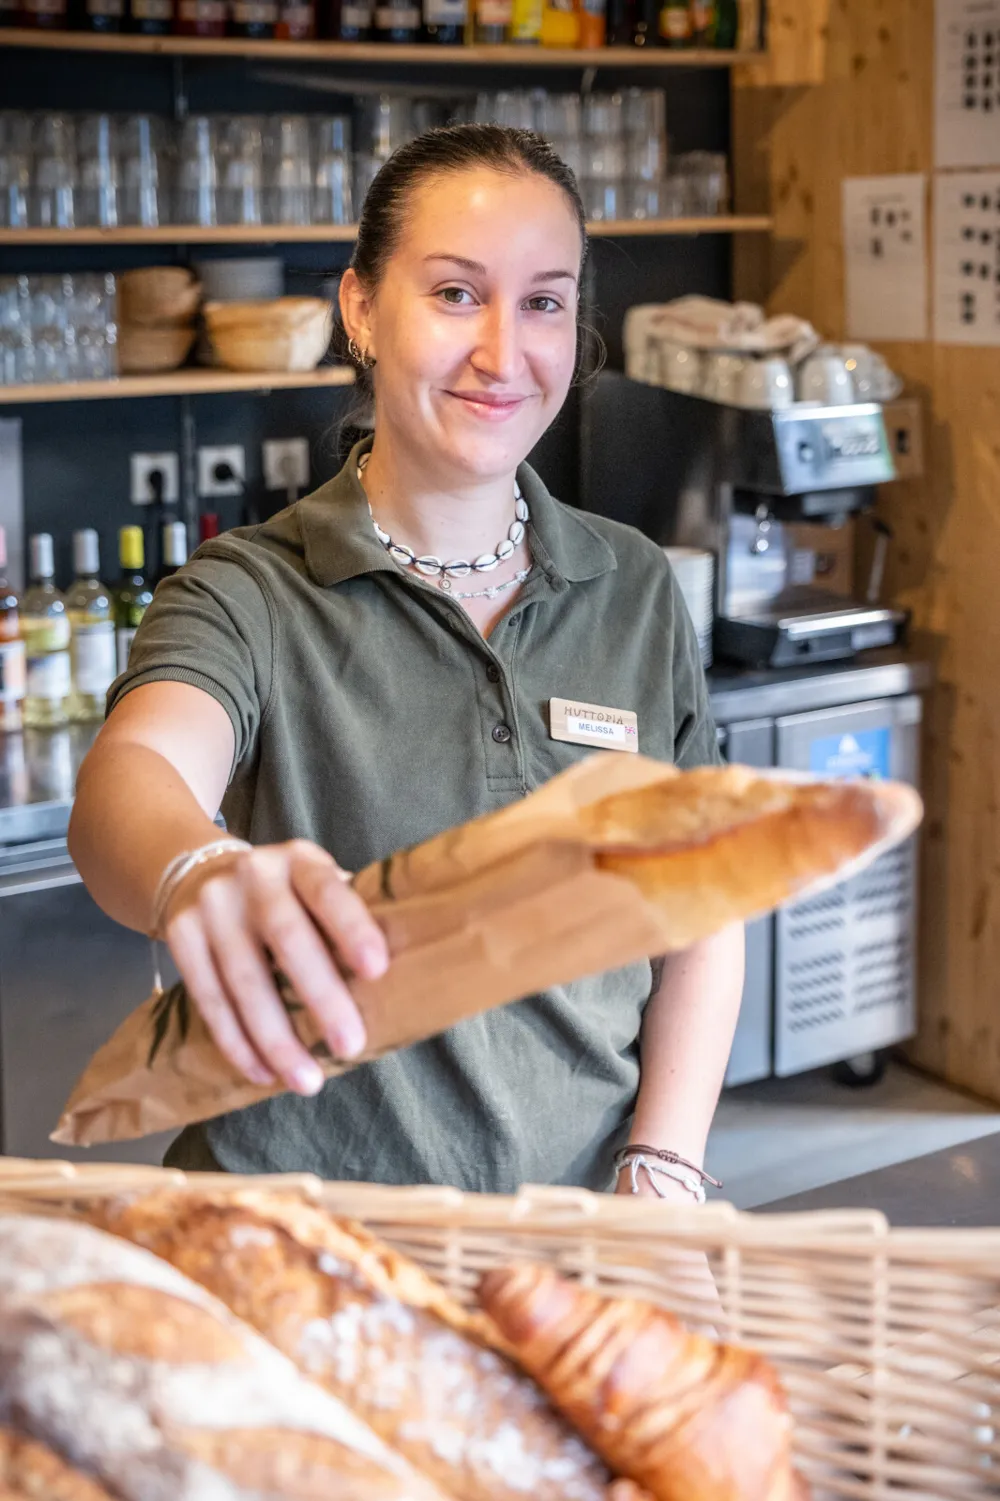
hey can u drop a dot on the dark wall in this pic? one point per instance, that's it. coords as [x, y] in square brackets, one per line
[76, 455]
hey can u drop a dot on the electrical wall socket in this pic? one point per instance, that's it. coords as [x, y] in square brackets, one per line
[904, 429]
[286, 463]
[210, 487]
[143, 466]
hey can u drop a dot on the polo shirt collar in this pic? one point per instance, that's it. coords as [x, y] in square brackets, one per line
[339, 541]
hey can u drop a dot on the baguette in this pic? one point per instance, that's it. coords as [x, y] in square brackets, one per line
[682, 1417]
[31, 1472]
[129, 1370]
[376, 1331]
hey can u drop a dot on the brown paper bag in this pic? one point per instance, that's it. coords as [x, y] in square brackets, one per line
[483, 914]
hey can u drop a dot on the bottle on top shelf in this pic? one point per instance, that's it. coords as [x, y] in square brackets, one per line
[151, 17]
[11, 649]
[44, 15]
[346, 20]
[92, 631]
[727, 24]
[131, 595]
[526, 22]
[675, 23]
[593, 23]
[646, 23]
[253, 19]
[200, 18]
[208, 526]
[445, 22]
[98, 15]
[296, 21]
[10, 13]
[397, 21]
[620, 19]
[560, 24]
[493, 20]
[173, 548]
[45, 632]
[704, 15]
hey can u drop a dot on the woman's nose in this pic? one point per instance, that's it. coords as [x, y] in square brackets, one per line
[497, 352]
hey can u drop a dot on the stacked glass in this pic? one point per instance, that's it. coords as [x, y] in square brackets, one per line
[57, 328]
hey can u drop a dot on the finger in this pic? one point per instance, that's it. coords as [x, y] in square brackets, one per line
[340, 912]
[193, 958]
[300, 951]
[249, 984]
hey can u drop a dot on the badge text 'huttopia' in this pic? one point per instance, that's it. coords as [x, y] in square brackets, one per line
[594, 725]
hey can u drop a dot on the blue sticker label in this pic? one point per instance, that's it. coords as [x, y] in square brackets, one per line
[865, 753]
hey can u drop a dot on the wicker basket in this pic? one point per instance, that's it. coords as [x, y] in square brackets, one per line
[888, 1341]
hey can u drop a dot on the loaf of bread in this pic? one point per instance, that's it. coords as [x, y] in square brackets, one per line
[31, 1472]
[130, 1371]
[718, 845]
[686, 1419]
[374, 1329]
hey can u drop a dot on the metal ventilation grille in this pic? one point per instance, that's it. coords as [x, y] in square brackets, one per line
[844, 980]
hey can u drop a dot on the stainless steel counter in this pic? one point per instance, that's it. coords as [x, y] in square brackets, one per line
[38, 768]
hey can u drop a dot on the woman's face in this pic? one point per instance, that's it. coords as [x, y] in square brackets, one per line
[473, 325]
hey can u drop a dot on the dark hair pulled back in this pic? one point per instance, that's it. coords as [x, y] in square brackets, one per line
[452, 148]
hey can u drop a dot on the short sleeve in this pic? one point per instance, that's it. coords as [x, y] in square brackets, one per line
[208, 625]
[695, 740]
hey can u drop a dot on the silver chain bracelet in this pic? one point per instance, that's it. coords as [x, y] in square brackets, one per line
[179, 868]
[654, 1163]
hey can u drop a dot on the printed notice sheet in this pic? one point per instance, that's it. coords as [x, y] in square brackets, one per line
[885, 256]
[967, 83]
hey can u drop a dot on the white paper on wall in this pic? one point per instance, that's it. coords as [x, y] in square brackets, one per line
[885, 256]
[967, 83]
[967, 257]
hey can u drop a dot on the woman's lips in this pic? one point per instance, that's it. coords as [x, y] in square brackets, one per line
[488, 407]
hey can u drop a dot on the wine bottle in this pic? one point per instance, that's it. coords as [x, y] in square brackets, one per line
[397, 21]
[131, 595]
[151, 17]
[44, 15]
[727, 24]
[44, 627]
[92, 632]
[445, 22]
[173, 548]
[253, 19]
[11, 649]
[200, 18]
[647, 23]
[620, 23]
[296, 21]
[98, 15]
[704, 15]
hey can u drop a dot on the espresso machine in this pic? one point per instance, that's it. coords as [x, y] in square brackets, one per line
[692, 472]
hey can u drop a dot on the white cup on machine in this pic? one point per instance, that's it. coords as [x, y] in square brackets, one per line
[766, 385]
[824, 377]
[680, 367]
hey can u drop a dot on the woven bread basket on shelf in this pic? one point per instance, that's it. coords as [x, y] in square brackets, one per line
[887, 1341]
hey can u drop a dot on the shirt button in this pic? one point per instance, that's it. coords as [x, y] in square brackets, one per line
[492, 672]
[501, 733]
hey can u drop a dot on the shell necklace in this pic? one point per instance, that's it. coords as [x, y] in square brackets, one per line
[460, 568]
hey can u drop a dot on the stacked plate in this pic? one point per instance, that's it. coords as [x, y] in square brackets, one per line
[694, 570]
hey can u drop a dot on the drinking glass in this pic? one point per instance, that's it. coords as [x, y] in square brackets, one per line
[331, 186]
[557, 117]
[288, 171]
[197, 178]
[15, 168]
[143, 196]
[47, 311]
[97, 164]
[52, 198]
[92, 313]
[384, 121]
[603, 116]
[707, 182]
[603, 184]
[12, 330]
[240, 157]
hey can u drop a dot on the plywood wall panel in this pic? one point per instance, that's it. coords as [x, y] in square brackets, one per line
[872, 113]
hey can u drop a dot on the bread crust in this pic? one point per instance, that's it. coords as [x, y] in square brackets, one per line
[29, 1471]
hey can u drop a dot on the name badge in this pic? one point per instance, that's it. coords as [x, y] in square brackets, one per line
[590, 724]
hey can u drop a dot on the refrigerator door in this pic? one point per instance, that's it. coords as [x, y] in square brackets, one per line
[845, 961]
[751, 743]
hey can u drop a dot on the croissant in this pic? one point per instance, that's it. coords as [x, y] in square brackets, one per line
[684, 1418]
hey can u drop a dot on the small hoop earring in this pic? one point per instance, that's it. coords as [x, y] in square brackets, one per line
[363, 359]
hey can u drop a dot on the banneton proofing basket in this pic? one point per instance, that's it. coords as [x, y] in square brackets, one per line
[888, 1341]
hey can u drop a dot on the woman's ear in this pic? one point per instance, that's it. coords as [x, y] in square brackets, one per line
[356, 311]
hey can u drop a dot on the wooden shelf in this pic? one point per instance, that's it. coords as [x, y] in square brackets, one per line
[378, 52]
[253, 234]
[191, 382]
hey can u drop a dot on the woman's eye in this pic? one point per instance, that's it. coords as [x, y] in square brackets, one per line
[543, 304]
[454, 296]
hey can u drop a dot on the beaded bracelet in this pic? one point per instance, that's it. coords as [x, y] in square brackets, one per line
[180, 867]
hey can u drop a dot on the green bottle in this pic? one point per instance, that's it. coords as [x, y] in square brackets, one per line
[132, 595]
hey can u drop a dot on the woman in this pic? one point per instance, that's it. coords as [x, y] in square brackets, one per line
[339, 699]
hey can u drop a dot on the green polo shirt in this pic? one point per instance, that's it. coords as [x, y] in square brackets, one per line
[370, 714]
